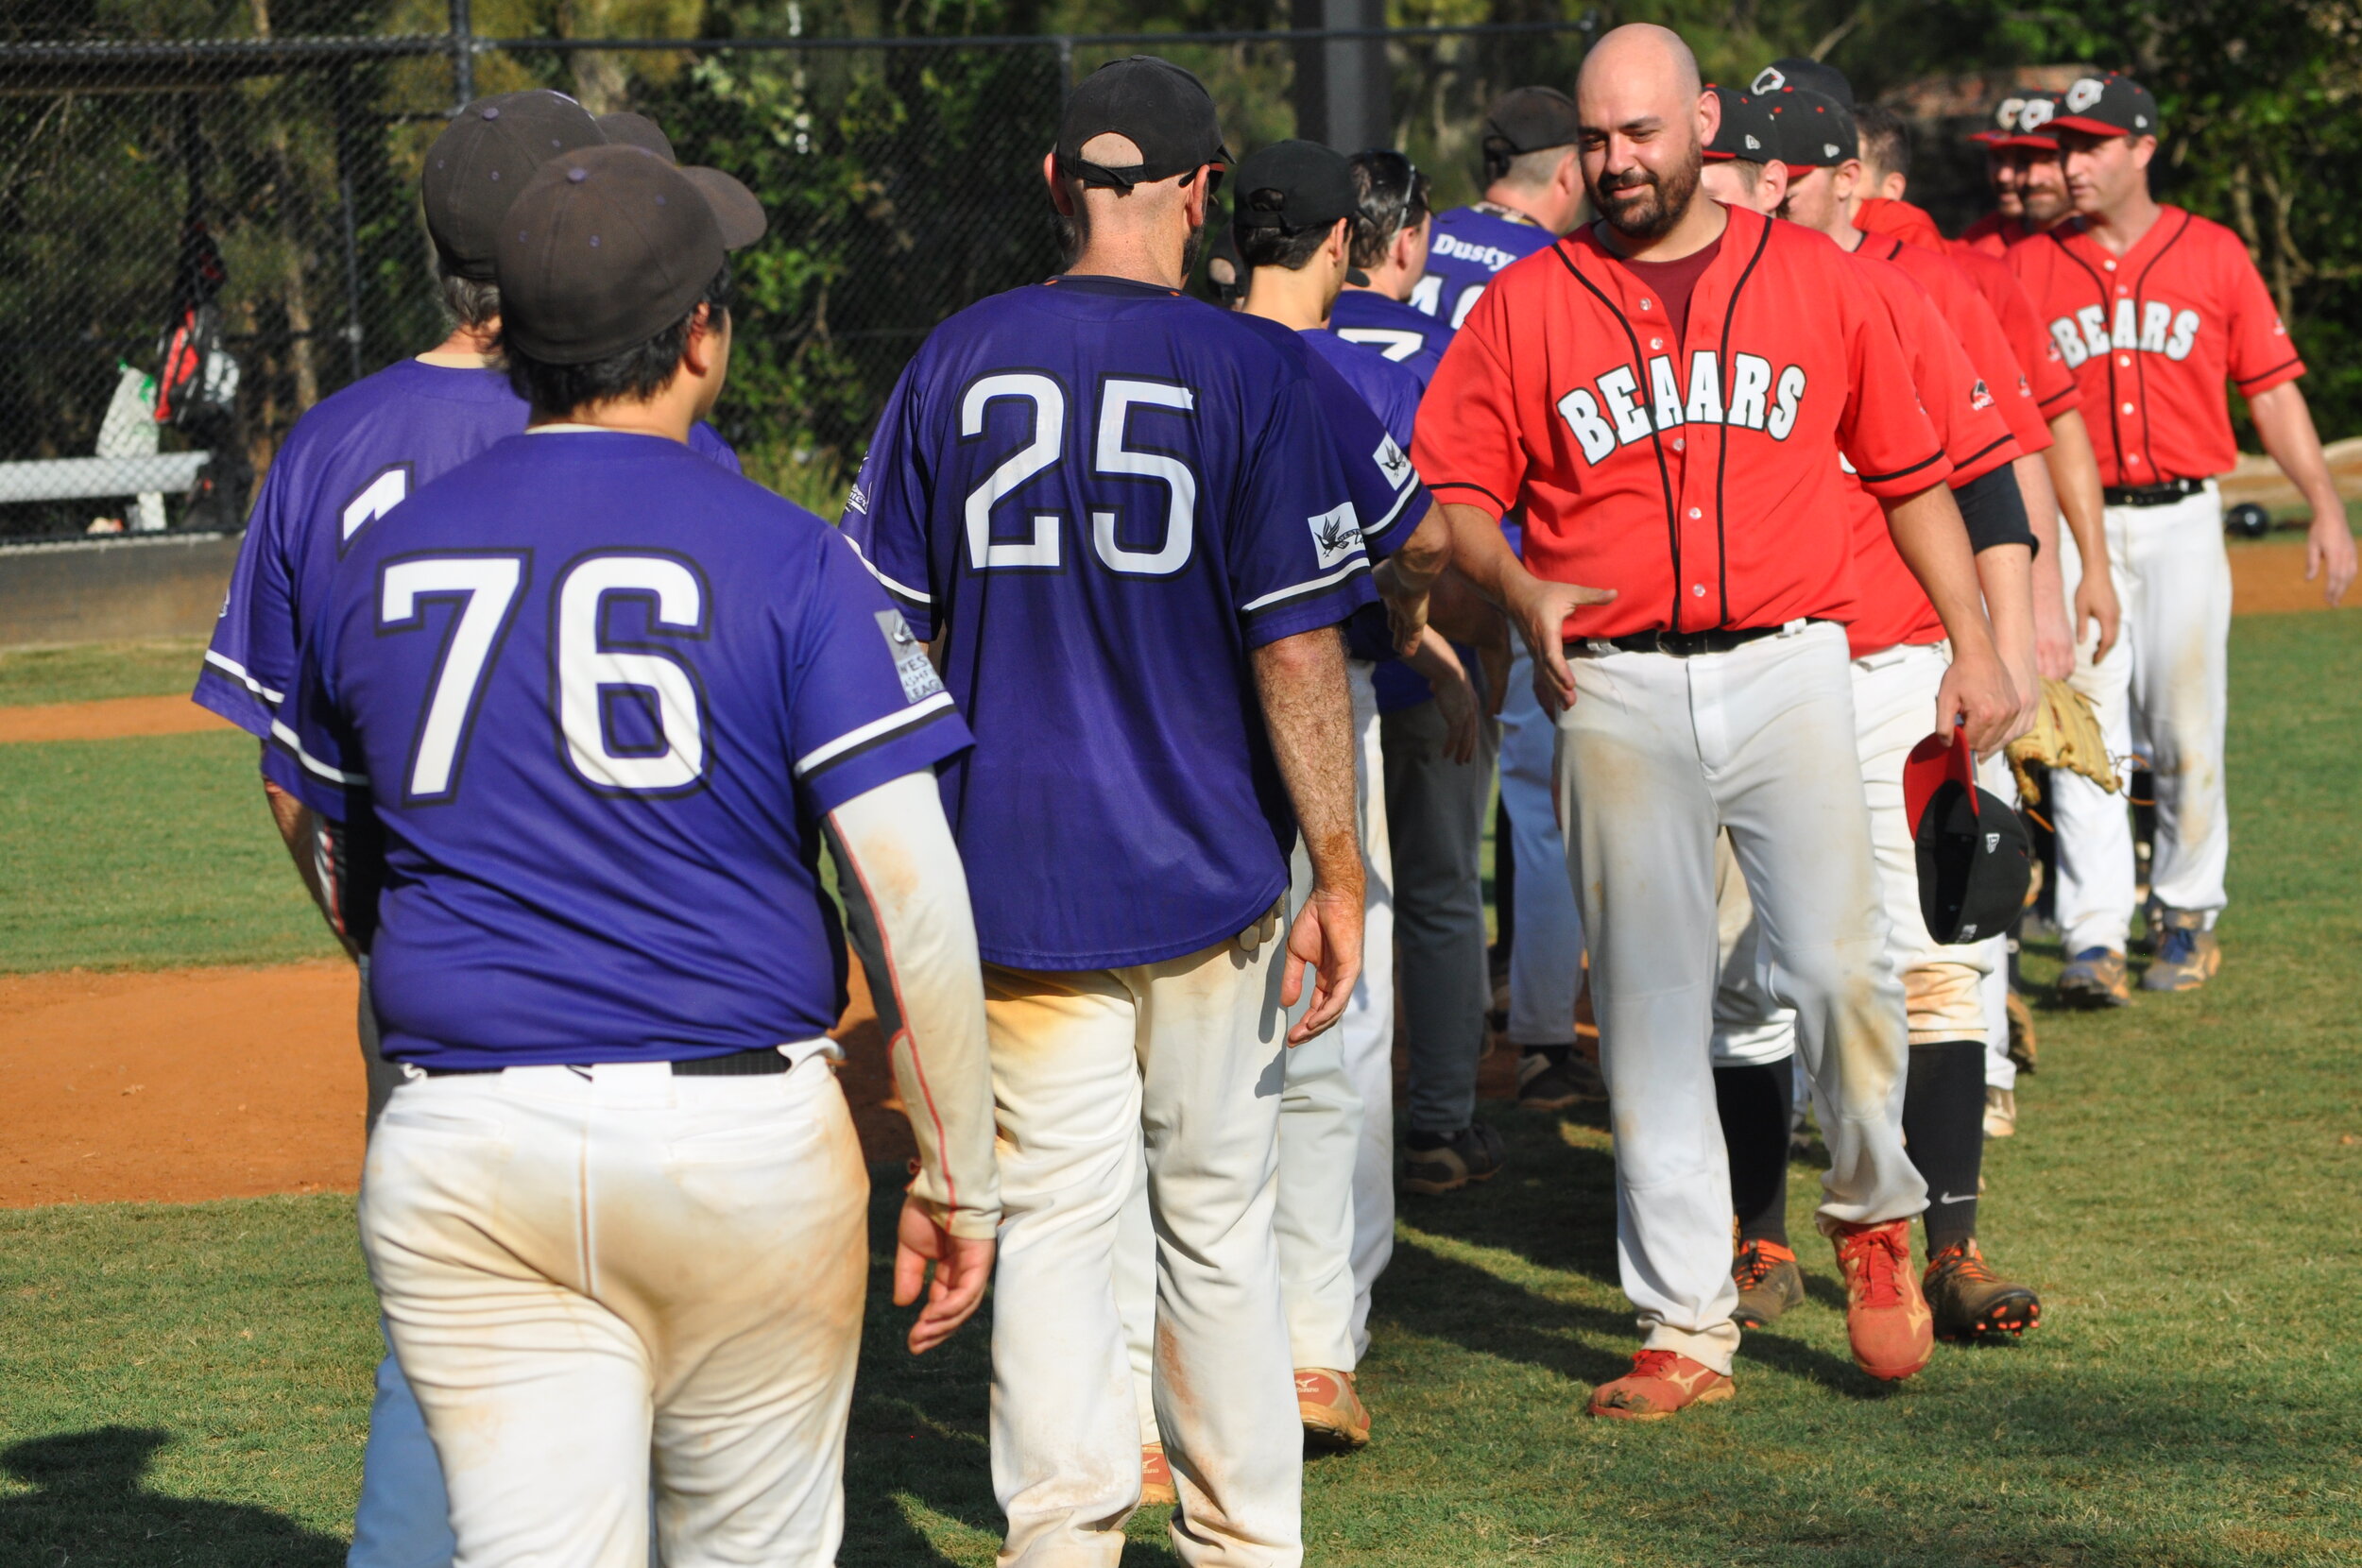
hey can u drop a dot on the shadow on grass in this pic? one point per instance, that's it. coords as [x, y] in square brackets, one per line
[92, 1508]
[1553, 1204]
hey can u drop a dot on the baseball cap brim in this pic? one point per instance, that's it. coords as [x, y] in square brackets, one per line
[1929, 767]
[2089, 128]
[735, 206]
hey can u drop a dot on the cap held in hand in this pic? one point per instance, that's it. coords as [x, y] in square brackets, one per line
[1975, 860]
[1153, 104]
[604, 248]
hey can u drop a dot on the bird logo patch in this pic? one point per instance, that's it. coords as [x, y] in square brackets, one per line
[1335, 534]
[1393, 462]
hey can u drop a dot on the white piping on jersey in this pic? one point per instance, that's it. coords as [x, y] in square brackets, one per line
[237, 671]
[891, 586]
[563, 429]
[1302, 588]
[288, 739]
[1402, 500]
[820, 755]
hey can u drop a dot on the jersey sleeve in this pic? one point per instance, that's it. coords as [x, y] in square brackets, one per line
[1388, 499]
[1994, 359]
[1959, 402]
[2054, 385]
[1468, 446]
[865, 703]
[886, 511]
[707, 442]
[2262, 355]
[1895, 449]
[1294, 552]
[250, 662]
[315, 753]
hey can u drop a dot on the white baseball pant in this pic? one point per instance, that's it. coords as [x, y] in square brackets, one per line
[2000, 1072]
[1179, 1063]
[588, 1271]
[1545, 958]
[1656, 754]
[2167, 677]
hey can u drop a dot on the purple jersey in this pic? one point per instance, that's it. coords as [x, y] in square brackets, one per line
[346, 463]
[1468, 246]
[596, 694]
[1404, 333]
[1102, 495]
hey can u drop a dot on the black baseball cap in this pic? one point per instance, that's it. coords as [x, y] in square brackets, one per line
[1975, 858]
[1162, 110]
[1811, 76]
[2036, 124]
[1528, 119]
[1813, 130]
[740, 214]
[482, 159]
[1748, 130]
[2113, 105]
[1293, 186]
[605, 247]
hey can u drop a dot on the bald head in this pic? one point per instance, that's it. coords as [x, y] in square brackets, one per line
[1639, 57]
[1645, 121]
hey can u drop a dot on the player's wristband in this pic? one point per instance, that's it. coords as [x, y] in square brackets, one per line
[1994, 511]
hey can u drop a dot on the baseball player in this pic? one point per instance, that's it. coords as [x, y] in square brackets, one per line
[1390, 246]
[1120, 513]
[1687, 560]
[571, 730]
[346, 464]
[2154, 306]
[1533, 195]
[2029, 183]
[1898, 662]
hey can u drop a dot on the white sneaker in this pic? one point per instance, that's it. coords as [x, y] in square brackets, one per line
[2000, 1113]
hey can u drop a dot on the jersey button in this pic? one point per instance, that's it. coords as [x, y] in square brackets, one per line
[1656, 343]
[2110, 265]
[1697, 591]
[2128, 408]
[1644, 304]
[1677, 443]
[2125, 360]
[1695, 513]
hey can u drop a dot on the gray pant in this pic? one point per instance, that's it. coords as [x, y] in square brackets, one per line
[1436, 811]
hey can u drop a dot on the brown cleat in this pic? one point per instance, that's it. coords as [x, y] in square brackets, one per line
[1660, 1383]
[1330, 1407]
[1970, 1303]
[2022, 1047]
[2187, 955]
[1769, 1283]
[2095, 978]
[1886, 1318]
[1157, 1489]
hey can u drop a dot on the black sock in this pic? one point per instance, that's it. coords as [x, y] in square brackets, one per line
[1943, 1125]
[1754, 1104]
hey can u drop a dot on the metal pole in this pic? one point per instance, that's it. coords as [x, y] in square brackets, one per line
[1065, 67]
[462, 53]
[340, 83]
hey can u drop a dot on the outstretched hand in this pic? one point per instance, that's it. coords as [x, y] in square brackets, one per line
[1326, 938]
[1539, 611]
[962, 1268]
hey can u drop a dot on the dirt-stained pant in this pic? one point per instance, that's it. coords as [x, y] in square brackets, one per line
[2168, 681]
[1656, 754]
[589, 1271]
[1178, 1064]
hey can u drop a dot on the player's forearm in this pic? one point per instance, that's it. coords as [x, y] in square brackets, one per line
[1309, 713]
[1480, 552]
[1414, 566]
[906, 901]
[2284, 422]
[308, 845]
[2075, 480]
[1435, 660]
[1930, 537]
[2005, 579]
[1461, 614]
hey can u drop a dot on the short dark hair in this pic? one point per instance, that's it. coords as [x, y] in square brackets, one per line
[1277, 244]
[1527, 170]
[1885, 139]
[1392, 195]
[1750, 172]
[468, 301]
[636, 374]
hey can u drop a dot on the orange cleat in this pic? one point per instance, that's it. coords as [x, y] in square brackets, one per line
[1156, 1490]
[1660, 1383]
[1886, 1316]
[1330, 1407]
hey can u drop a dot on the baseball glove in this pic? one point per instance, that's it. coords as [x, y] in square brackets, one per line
[2065, 735]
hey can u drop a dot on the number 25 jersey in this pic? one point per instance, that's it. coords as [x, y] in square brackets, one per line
[1102, 496]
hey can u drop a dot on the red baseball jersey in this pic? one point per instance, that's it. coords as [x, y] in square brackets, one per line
[2052, 383]
[1994, 234]
[2152, 335]
[1699, 478]
[1891, 605]
[1960, 306]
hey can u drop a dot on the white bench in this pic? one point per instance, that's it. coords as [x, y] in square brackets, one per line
[95, 478]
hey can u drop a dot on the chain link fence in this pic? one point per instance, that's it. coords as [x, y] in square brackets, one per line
[200, 238]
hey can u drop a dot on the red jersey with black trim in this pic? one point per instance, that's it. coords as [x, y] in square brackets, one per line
[1699, 478]
[2152, 335]
[1890, 606]
[1994, 234]
[1978, 332]
[2052, 383]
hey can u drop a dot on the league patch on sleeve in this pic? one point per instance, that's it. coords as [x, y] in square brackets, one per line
[1978, 397]
[1336, 533]
[857, 500]
[1393, 463]
[917, 671]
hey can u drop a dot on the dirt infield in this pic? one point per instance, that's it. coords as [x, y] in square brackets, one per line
[2267, 578]
[183, 1085]
[111, 719]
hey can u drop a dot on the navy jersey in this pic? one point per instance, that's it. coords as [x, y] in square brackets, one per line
[1387, 390]
[1404, 333]
[1388, 500]
[348, 462]
[1102, 496]
[594, 694]
[1464, 251]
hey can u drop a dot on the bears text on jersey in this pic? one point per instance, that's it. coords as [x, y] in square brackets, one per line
[2153, 327]
[1614, 410]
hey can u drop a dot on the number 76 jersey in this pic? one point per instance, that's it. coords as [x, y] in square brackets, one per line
[596, 694]
[1102, 496]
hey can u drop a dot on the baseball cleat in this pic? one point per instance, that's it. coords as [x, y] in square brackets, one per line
[1969, 1303]
[1157, 1489]
[1547, 1082]
[2000, 1111]
[1769, 1283]
[1885, 1317]
[1660, 1383]
[2022, 1049]
[1330, 1407]
[2187, 956]
[2095, 978]
[1446, 1162]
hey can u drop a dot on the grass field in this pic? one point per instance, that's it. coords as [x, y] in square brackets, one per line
[190, 1385]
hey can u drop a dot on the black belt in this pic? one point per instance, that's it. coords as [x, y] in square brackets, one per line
[738, 1063]
[1721, 639]
[2151, 495]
